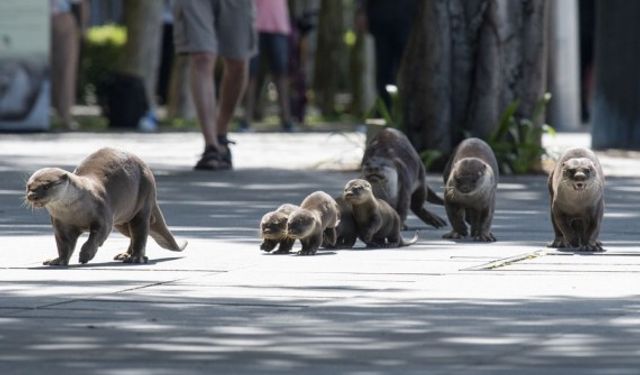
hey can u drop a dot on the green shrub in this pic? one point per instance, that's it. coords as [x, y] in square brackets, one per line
[102, 48]
[516, 141]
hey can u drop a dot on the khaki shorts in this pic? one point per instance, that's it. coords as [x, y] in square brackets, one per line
[221, 27]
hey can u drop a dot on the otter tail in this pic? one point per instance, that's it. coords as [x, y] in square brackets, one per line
[161, 234]
[413, 240]
[434, 198]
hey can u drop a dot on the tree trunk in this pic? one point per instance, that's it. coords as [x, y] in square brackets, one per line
[466, 61]
[330, 46]
[616, 113]
[143, 20]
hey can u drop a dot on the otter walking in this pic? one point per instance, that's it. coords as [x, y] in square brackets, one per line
[110, 188]
[576, 189]
[471, 180]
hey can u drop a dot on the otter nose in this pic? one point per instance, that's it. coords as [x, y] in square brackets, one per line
[31, 196]
[579, 176]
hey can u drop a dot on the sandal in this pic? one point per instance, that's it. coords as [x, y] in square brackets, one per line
[213, 160]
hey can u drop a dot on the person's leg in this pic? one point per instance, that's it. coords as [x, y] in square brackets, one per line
[250, 95]
[384, 66]
[278, 52]
[64, 65]
[233, 84]
[203, 93]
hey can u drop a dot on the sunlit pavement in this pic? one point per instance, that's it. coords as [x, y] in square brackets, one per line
[222, 306]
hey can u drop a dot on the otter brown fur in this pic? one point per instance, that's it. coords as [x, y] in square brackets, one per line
[396, 173]
[314, 221]
[471, 180]
[346, 233]
[273, 229]
[108, 189]
[378, 224]
[576, 189]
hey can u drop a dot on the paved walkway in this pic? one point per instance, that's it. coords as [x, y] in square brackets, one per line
[223, 307]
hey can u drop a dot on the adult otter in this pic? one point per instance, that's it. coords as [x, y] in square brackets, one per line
[576, 187]
[396, 173]
[109, 189]
[471, 180]
[378, 224]
[314, 221]
[273, 229]
[346, 233]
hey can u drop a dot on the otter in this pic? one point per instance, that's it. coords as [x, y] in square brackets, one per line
[576, 189]
[346, 234]
[273, 229]
[314, 221]
[378, 224]
[471, 180]
[110, 188]
[396, 173]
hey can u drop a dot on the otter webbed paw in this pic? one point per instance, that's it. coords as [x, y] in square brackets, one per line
[267, 245]
[56, 262]
[436, 221]
[453, 235]
[281, 251]
[559, 243]
[128, 258]
[485, 237]
[122, 256]
[137, 260]
[307, 252]
[592, 246]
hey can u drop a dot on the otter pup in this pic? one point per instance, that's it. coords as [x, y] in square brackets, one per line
[576, 189]
[315, 220]
[471, 180]
[346, 235]
[273, 229]
[109, 189]
[378, 224]
[396, 173]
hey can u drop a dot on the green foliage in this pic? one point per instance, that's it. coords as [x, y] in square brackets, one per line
[102, 49]
[391, 116]
[516, 141]
[429, 156]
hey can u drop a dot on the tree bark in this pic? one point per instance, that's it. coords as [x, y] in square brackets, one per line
[143, 20]
[466, 61]
[616, 113]
[330, 47]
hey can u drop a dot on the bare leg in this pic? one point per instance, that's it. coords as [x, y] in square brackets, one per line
[234, 81]
[250, 100]
[204, 98]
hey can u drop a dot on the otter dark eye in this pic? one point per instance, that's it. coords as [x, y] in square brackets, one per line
[587, 172]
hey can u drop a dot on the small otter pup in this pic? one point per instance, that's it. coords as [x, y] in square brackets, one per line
[396, 173]
[314, 221]
[109, 189]
[576, 188]
[378, 224]
[346, 234]
[273, 229]
[471, 180]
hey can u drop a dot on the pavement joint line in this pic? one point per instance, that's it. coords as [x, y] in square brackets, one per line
[500, 263]
[93, 268]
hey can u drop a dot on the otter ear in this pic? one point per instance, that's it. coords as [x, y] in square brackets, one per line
[564, 163]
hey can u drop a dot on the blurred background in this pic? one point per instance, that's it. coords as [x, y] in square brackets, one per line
[508, 71]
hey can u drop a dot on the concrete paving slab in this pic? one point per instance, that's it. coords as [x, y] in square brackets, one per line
[222, 306]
